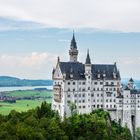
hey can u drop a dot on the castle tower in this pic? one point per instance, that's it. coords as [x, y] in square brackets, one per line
[73, 52]
[88, 64]
[131, 84]
[88, 75]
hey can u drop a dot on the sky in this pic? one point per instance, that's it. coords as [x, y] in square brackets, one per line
[33, 33]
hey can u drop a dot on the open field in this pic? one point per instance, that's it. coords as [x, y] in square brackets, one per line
[29, 93]
[24, 105]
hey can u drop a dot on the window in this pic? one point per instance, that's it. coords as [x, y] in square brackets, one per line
[106, 89]
[79, 101]
[97, 95]
[68, 96]
[68, 89]
[73, 83]
[83, 106]
[88, 88]
[74, 89]
[83, 101]
[101, 83]
[75, 95]
[95, 83]
[110, 89]
[83, 89]
[83, 95]
[79, 106]
[92, 95]
[97, 89]
[79, 95]
[83, 83]
[112, 83]
[68, 101]
[114, 89]
[75, 101]
[108, 94]
[106, 83]
[114, 100]
[106, 100]
[106, 106]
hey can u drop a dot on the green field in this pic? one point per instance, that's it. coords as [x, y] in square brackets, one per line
[24, 105]
[30, 93]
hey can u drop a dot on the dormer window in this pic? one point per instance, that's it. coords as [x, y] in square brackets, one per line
[71, 75]
[98, 75]
[104, 75]
[114, 75]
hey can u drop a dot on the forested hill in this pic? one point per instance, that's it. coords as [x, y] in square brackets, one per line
[6, 81]
[43, 123]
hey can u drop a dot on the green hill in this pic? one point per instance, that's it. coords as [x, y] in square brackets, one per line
[6, 81]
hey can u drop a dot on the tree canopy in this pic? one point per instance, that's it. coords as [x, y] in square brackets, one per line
[43, 123]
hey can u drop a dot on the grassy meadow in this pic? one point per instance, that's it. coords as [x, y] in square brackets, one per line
[24, 105]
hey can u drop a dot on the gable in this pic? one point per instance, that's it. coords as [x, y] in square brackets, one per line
[57, 73]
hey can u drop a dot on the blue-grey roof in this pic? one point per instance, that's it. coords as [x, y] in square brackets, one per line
[134, 91]
[75, 68]
[78, 70]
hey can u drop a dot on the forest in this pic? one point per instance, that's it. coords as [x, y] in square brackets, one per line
[42, 123]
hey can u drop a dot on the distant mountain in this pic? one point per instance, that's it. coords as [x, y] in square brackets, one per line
[6, 81]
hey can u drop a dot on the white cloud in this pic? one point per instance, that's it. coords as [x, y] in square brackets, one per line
[118, 15]
[129, 67]
[130, 60]
[35, 65]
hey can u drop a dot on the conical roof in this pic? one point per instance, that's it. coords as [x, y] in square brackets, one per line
[88, 61]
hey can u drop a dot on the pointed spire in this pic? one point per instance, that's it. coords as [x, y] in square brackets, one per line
[73, 42]
[88, 61]
[131, 80]
[58, 59]
[73, 52]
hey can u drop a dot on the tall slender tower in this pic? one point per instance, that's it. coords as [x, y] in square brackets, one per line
[88, 76]
[73, 52]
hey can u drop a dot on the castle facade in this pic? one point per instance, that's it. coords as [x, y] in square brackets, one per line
[94, 86]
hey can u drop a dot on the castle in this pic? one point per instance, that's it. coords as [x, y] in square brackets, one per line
[94, 86]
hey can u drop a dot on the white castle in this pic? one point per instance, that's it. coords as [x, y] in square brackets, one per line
[94, 86]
